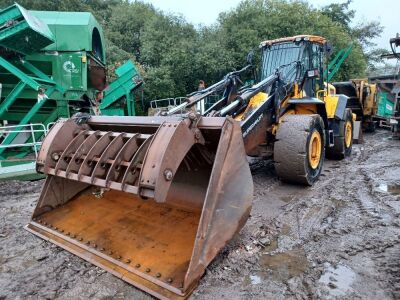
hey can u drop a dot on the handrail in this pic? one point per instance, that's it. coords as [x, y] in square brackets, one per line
[170, 102]
[4, 130]
[173, 101]
[49, 125]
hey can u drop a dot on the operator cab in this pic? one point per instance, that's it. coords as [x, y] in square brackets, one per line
[299, 59]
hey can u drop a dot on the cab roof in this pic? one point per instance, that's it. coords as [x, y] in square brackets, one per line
[305, 37]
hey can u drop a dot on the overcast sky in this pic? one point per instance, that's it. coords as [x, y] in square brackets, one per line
[206, 12]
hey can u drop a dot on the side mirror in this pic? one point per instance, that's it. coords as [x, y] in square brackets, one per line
[249, 58]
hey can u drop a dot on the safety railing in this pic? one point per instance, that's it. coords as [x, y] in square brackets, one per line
[166, 102]
[169, 103]
[29, 130]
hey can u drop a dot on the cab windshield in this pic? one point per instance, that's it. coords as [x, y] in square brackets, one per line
[283, 56]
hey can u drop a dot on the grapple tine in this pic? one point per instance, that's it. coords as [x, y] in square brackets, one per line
[98, 148]
[176, 138]
[108, 155]
[133, 170]
[82, 150]
[123, 156]
[62, 163]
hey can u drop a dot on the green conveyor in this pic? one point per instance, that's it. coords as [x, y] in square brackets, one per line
[52, 65]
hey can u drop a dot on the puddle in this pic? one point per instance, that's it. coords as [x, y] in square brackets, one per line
[286, 198]
[252, 280]
[392, 188]
[255, 279]
[338, 280]
[285, 265]
[338, 203]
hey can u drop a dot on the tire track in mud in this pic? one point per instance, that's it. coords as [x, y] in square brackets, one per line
[339, 239]
[361, 229]
[342, 225]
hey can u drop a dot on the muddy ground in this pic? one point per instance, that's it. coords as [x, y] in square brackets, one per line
[339, 239]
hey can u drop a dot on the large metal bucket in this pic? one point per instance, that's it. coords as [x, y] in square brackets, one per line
[151, 200]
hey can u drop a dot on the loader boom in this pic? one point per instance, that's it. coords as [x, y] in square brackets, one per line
[229, 85]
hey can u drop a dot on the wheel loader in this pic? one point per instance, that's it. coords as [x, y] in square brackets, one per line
[362, 100]
[153, 200]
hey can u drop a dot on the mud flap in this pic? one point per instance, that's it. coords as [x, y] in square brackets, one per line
[357, 132]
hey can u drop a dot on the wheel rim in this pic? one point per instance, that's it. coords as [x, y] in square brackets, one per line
[348, 134]
[315, 149]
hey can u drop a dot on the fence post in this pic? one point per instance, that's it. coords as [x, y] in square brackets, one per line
[34, 140]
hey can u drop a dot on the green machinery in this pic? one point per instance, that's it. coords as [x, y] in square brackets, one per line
[388, 96]
[52, 65]
[385, 99]
[336, 62]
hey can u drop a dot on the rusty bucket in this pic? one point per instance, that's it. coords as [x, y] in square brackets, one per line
[152, 200]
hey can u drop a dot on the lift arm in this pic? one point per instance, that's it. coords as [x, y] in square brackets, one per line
[228, 84]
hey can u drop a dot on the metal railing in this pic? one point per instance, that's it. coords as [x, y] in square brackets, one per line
[29, 130]
[169, 103]
[163, 103]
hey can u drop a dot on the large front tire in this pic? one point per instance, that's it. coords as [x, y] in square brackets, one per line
[299, 149]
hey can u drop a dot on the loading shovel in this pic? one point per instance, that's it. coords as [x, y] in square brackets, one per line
[150, 200]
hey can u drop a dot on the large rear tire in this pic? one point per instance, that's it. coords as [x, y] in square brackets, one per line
[370, 126]
[343, 143]
[299, 149]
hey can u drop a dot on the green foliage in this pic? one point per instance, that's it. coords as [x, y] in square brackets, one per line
[173, 55]
[126, 23]
[377, 64]
[255, 20]
[340, 13]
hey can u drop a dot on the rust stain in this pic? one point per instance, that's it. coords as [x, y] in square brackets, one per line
[156, 236]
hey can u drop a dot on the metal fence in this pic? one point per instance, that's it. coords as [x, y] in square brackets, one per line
[162, 103]
[29, 130]
[169, 103]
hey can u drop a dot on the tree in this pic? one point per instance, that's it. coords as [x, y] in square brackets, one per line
[362, 33]
[376, 62]
[255, 20]
[340, 13]
[125, 26]
[173, 55]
